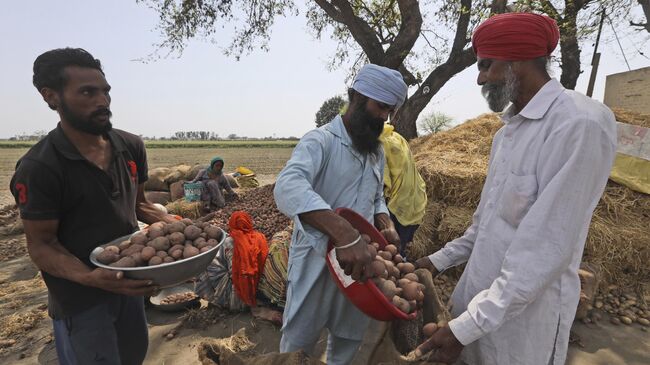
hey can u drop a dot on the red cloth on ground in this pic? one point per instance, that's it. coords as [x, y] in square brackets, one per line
[516, 37]
[249, 255]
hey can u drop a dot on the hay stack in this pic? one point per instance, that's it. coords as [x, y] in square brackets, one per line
[454, 166]
[184, 208]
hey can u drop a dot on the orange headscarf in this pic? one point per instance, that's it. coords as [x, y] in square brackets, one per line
[249, 255]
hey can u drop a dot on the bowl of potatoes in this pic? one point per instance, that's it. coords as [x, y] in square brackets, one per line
[166, 253]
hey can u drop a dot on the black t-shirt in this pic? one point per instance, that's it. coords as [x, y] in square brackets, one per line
[54, 181]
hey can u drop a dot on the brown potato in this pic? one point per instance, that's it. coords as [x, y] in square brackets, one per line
[156, 260]
[177, 254]
[124, 262]
[159, 243]
[137, 257]
[398, 258]
[107, 257]
[192, 232]
[139, 238]
[411, 291]
[411, 276]
[162, 254]
[385, 255]
[408, 268]
[204, 249]
[124, 245]
[113, 249]
[176, 238]
[429, 329]
[203, 235]
[212, 242]
[131, 250]
[190, 251]
[402, 282]
[200, 243]
[177, 226]
[168, 259]
[155, 232]
[401, 304]
[392, 249]
[377, 269]
[187, 221]
[388, 288]
[213, 231]
[175, 248]
[147, 253]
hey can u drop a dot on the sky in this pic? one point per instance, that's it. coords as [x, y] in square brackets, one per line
[275, 93]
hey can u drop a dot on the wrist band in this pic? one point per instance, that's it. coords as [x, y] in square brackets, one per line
[349, 244]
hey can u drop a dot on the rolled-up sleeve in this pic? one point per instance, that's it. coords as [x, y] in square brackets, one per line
[294, 193]
[572, 171]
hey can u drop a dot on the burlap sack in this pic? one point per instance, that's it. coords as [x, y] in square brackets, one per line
[176, 190]
[156, 181]
[160, 197]
[177, 173]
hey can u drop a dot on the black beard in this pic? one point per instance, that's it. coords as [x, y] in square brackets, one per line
[365, 130]
[87, 125]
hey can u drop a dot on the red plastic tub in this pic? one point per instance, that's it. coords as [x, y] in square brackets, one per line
[365, 296]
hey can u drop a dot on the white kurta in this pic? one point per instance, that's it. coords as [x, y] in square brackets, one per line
[517, 297]
[324, 172]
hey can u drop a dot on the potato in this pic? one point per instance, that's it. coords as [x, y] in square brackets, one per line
[200, 243]
[147, 253]
[177, 254]
[385, 255]
[411, 291]
[159, 225]
[107, 257]
[213, 231]
[139, 238]
[192, 232]
[176, 238]
[113, 249]
[408, 268]
[392, 249]
[402, 282]
[175, 248]
[131, 250]
[212, 242]
[177, 226]
[187, 221]
[411, 276]
[156, 260]
[401, 304]
[137, 257]
[365, 237]
[204, 249]
[124, 245]
[168, 259]
[159, 243]
[398, 258]
[400, 266]
[429, 329]
[377, 269]
[162, 254]
[124, 262]
[203, 235]
[388, 288]
[155, 232]
[190, 251]
[375, 245]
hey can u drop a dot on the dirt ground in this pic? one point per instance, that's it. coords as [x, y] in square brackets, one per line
[26, 334]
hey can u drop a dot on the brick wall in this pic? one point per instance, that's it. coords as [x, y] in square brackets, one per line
[629, 90]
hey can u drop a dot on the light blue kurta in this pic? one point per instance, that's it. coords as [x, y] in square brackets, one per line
[324, 172]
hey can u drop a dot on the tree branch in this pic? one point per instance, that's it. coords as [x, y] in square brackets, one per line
[408, 33]
[549, 9]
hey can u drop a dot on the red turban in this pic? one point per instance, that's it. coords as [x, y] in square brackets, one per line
[516, 37]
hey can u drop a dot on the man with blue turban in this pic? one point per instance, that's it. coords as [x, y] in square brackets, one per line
[340, 164]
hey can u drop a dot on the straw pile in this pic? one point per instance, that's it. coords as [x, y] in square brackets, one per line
[454, 166]
[184, 208]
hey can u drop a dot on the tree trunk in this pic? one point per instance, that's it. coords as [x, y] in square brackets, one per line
[570, 51]
[406, 117]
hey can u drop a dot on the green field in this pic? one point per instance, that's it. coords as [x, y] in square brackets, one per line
[187, 144]
[265, 161]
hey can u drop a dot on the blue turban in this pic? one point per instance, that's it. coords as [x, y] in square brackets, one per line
[381, 84]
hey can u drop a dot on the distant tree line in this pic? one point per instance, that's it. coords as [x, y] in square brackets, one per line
[176, 136]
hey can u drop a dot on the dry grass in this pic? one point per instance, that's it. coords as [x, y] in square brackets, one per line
[625, 116]
[18, 324]
[184, 208]
[454, 165]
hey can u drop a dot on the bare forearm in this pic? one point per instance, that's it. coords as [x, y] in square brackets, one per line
[54, 259]
[331, 224]
[148, 213]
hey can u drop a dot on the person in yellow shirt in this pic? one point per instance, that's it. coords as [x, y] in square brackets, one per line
[404, 188]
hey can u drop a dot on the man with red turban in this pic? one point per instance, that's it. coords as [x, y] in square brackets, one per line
[517, 297]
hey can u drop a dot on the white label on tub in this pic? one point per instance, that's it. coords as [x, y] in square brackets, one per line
[346, 280]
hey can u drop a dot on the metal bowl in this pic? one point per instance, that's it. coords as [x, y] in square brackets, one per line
[164, 275]
[175, 307]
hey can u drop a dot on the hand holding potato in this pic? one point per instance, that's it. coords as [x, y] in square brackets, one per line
[355, 259]
[390, 234]
[425, 263]
[115, 282]
[446, 347]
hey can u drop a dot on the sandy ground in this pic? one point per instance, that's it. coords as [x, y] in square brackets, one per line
[26, 334]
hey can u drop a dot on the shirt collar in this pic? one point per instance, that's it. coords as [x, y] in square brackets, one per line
[69, 151]
[337, 128]
[539, 104]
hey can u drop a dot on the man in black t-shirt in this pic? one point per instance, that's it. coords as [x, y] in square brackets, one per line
[79, 187]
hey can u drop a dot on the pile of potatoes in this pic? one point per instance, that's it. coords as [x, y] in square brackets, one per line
[395, 278]
[623, 308]
[162, 243]
[178, 298]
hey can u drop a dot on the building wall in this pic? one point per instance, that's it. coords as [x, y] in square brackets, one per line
[629, 90]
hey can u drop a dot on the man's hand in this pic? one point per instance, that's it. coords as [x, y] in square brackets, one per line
[444, 345]
[114, 281]
[354, 260]
[425, 263]
[390, 234]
